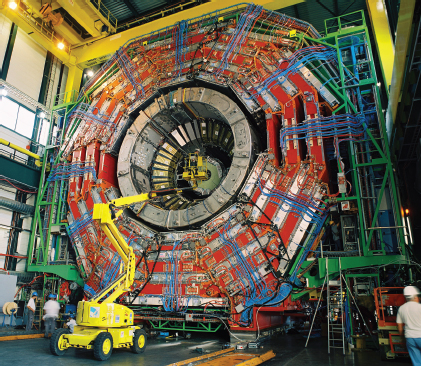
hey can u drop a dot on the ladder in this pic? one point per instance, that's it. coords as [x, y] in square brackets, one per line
[39, 312]
[335, 311]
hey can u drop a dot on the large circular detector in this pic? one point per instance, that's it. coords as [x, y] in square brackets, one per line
[184, 123]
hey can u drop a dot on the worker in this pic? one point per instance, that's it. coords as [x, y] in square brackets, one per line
[71, 322]
[31, 310]
[51, 310]
[409, 319]
[335, 235]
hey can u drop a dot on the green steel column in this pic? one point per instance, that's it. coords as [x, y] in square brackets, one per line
[356, 185]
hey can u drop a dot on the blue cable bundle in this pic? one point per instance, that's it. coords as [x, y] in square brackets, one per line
[86, 112]
[297, 60]
[128, 70]
[180, 39]
[332, 126]
[245, 23]
[347, 320]
[71, 170]
[111, 272]
[247, 275]
[172, 298]
[172, 293]
[79, 224]
[89, 290]
[298, 206]
[317, 214]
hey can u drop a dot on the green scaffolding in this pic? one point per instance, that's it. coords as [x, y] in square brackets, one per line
[50, 221]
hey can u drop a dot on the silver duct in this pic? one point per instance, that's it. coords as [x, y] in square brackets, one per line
[16, 206]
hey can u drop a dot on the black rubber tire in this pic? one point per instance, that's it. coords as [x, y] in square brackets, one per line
[135, 347]
[54, 349]
[98, 346]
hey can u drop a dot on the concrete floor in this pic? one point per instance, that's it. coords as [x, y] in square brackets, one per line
[289, 351]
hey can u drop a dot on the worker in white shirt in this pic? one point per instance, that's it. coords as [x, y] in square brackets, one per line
[409, 320]
[31, 310]
[71, 323]
[51, 310]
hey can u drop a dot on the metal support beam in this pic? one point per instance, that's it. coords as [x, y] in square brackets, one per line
[36, 34]
[82, 13]
[403, 34]
[8, 54]
[74, 79]
[68, 272]
[349, 263]
[384, 42]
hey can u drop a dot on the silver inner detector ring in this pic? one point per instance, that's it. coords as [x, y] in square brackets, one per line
[155, 148]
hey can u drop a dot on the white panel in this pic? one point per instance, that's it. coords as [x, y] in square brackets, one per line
[9, 192]
[178, 137]
[5, 217]
[5, 27]
[8, 288]
[16, 139]
[27, 65]
[4, 234]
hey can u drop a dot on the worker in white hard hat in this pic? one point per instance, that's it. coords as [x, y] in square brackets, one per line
[51, 313]
[31, 310]
[409, 323]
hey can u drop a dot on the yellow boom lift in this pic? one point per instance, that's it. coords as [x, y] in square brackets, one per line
[102, 324]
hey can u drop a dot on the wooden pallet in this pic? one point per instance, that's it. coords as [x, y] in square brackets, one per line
[228, 357]
[22, 336]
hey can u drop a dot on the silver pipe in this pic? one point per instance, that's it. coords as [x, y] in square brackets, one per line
[16, 206]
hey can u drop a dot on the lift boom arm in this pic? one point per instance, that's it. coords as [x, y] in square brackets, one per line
[105, 216]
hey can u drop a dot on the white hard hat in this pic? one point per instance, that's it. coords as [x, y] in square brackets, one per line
[411, 291]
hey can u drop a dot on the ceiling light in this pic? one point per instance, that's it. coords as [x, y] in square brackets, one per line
[13, 5]
[3, 92]
[60, 45]
[90, 73]
[41, 115]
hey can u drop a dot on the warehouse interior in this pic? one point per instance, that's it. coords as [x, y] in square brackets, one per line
[207, 182]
